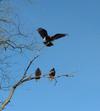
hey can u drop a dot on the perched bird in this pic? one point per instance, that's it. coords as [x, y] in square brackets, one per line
[52, 73]
[38, 73]
[47, 40]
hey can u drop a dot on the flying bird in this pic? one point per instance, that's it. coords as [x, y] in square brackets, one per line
[52, 73]
[47, 40]
[38, 73]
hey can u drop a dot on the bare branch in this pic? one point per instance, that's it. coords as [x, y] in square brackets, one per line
[8, 99]
[25, 73]
[25, 79]
[30, 63]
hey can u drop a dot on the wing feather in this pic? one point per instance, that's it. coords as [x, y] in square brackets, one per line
[57, 36]
[42, 32]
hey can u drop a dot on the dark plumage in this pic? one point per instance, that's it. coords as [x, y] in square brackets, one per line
[38, 73]
[52, 73]
[47, 40]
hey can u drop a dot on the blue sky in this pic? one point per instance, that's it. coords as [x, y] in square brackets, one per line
[80, 52]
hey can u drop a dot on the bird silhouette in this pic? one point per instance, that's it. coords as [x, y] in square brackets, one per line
[38, 73]
[52, 73]
[47, 40]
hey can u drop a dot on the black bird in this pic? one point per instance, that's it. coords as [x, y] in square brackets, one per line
[38, 73]
[52, 73]
[47, 40]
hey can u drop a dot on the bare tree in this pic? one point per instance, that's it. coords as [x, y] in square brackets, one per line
[16, 45]
[12, 40]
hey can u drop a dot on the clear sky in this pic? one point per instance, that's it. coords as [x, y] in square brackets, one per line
[79, 53]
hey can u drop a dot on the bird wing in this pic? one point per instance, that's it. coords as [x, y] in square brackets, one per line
[42, 32]
[57, 36]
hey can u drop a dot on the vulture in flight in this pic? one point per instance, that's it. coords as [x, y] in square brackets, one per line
[38, 73]
[52, 73]
[47, 40]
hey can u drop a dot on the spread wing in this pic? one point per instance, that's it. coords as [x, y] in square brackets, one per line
[42, 32]
[57, 36]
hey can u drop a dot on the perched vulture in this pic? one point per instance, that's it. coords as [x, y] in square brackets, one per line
[52, 73]
[47, 40]
[38, 73]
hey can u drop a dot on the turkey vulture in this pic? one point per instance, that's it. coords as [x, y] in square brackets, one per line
[38, 73]
[52, 73]
[47, 40]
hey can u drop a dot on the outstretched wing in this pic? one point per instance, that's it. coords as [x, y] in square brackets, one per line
[42, 32]
[57, 36]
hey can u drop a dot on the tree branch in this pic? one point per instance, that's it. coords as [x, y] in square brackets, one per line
[22, 80]
[28, 78]
[8, 99]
